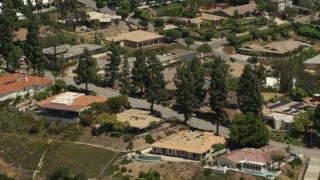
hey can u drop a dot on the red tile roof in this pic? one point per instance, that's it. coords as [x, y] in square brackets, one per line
[262, 155]
[13, 82]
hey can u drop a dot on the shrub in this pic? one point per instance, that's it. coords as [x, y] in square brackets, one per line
[143, 23]
[142, 175]
[130, 170]
[115, 134]
[145, 17]
[208, 35]
[137, 12]
[34, 129]
[149, 139]
[117, 175]
[158, 22]
[56, 130]
[86, 120]
[123, 13]
[128, 137]
[218, 147]
[125, 161]
[123, 169]
[207, 172]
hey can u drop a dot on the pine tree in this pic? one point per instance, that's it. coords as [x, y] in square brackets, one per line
[155, 84]
[184, 93]
[115, 61]
[139, 70]
[7, 26]
[198, 76]
[87, 70]
[249, 92]
[125, 79]
[33, 49]
[316, 118]
[218, 92]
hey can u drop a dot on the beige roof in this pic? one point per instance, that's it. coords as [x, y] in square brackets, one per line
[280, 47]
[102, 17]
[137, 118]
[135, 36]
[190, 141]
[205, 17]
[251, 7]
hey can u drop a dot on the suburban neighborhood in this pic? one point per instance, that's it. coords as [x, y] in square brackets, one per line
[159, 89]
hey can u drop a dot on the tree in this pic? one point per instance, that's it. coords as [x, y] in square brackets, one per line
[86, 71]
[198, 76]
[61, 173]
[155, 84]
[236, 14]
[260, 71]
[189, 41]
[316, 118]
[218, 91]
[285, 70]
[248, 130]
[14, 58]
[279, 158]
[204, 48]
[301, 122]
[139, 70]
[7, 26]
[184, 93]
[173, 34]
[99, 4]
[159, 22]
[144, 24]
[208, 35]
[249, 93]
[33, 50]
[206, 24]
[114, 62]
[125, 79]
[297, 94]
[59, 86]
[123, 13]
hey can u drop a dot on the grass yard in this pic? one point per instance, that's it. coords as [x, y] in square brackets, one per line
[78, 158]
[22, 152]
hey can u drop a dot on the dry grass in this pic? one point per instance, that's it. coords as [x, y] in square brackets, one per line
[267, 96]
[228, 50]
[235, 69]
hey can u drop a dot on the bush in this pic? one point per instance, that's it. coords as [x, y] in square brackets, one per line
[142, 175]
[125, 161]
[34, 129]
[115, 134]
[158, 22]
[207, 172]
[208, 35]
[128, 137]
[149, 139]
[117, 175]
[145, 17]
[116, 104]
[56, 130]
[123, 169]
[143, 23]
[137, 12]
[218, 147]
[86, 120]
[123, 13]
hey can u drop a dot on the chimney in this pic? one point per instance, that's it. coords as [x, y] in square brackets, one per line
[228, 151]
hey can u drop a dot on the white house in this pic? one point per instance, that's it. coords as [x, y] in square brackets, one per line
[281, 4]
[12, 85]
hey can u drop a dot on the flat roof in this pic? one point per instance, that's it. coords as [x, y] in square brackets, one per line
[205, 17]
[279, 47]
[71, 50]
[242, 9]
[281, 117]
[137, 118]
[190, 141]
[13, 82]
[102, 17]
[135, 36]
[70, 101]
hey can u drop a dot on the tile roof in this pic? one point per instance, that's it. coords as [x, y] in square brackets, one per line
[70, 101]
[279, 47]
[14, 82]
[262, 155]
[190, 141]
[314, 60]
[135, 36]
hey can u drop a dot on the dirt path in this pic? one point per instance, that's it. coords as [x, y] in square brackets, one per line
[41, 161]
[9, 171]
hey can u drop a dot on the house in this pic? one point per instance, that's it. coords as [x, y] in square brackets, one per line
[244, 11]
[313, 63]
[194, 145]
[13, 85]
[272, 49]
[282, 4]
[250, 159]
[68, 105]
[70, 52]
[222, 6]
[137, 39]
[103, 19]
[213, 19]
[280, 115]
[139, 120]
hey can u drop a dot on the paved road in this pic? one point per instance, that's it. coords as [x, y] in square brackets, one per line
[307, 18]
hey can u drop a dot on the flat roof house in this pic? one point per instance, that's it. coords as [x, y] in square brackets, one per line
[250, 159]
[313, 63]
[103, 19]
[68, 105]
[246, 10]
[138, 119]
[13, 85]
[70, 52]
[194, 145]
[137, 39]
[272, 49]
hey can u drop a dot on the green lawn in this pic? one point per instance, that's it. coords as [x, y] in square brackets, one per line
[77, 158]
[24, 152]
